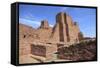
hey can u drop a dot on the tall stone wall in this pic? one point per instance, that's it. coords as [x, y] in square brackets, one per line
[25, 38]
[65, 29]
[44, 24]
[44, 31]
[64, 32]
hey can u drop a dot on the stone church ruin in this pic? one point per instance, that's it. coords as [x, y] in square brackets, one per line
[43, 43]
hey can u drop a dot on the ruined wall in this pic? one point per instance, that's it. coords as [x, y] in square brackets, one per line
[64, 32]
[38, 50]
[44, 24]
[44, 50]
[28, 35]
[73, 30]
[55, 34]
[65, 29]
[24, 49]
[24, 36]
[44, 31]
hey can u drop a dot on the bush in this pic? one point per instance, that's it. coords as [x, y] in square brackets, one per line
[82, 51]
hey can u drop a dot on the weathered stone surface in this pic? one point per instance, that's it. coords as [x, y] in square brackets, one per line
[44, 24]
[44, 50]
[51, 38]
[65, 29]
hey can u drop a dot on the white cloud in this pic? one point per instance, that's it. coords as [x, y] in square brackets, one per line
[33, 23]
[51, 25]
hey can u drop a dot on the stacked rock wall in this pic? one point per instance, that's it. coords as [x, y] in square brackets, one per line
[64, 31]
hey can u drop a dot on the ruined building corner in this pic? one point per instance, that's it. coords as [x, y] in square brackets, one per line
[44, 24]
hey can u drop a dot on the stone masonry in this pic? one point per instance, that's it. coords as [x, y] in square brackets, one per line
[45, 40]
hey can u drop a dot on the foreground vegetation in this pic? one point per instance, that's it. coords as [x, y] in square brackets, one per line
[82, 51]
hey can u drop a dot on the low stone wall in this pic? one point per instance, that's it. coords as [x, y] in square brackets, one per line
[44, 50]
[38, 50]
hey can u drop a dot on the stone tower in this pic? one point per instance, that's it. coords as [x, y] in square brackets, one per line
[44, 24]
[65, 29]
[61, 18]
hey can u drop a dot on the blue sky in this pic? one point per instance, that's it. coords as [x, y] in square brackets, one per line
[33, 14]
